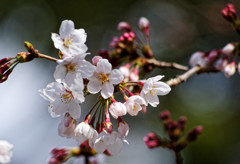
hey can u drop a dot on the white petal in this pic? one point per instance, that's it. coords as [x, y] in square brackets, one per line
[153, 100]
[67, 26]
[86, 69]
[60, 73]
[79, 36]
[157, 78]
[116, 76]
[94, 85]
[99, 145]
[58, 42]
[116, 147]
[74, 110]
[107, 90]
[103, 66]
[162, 88]
[77, 48]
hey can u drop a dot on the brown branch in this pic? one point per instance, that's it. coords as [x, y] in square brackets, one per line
[197, 69]
[46, 57]
[181, 78]
[161, 64]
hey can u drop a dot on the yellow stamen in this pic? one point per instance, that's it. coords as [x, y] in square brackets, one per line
[67, 42]
[70, 67]
[103, 78]
[66, 97]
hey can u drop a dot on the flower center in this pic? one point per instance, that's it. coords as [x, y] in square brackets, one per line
[67, 42]
[70, 67]
[153, 92]
[103, 78]
[66, 97]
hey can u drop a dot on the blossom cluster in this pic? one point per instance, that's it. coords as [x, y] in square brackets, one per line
[224, 59]
[76, 78]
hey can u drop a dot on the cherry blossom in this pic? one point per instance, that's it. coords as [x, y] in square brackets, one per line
[112, 142]
[152, 88]
[104, 79]
[68, 69]
[70, 41]
[63, 99]
[83, 132]
[5, 151]
[134, 104]
[117, 109]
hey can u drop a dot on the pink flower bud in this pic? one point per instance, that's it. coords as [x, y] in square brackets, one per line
[95, 59]
[229, 13]
[152, 140]
[143, 23]
[230, 69]
[212, 56]
[228, 49]
[238, 67]
[124, 26]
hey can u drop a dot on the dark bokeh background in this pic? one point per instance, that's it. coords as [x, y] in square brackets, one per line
[178, 28]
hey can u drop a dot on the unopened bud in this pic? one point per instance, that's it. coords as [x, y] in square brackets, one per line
[198, 58]
[212, 56]
[230, 69]
[95, 59]
[181, 122]
[147, 51]
[29, 47]
[23, 57]
[152, 140]
[5, 60]
[124, 26]
[229, 13]
[193, 134]
[228, 49]
[164, 115]
[143, 23]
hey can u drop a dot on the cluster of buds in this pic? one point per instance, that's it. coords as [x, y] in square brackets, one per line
[230, 14]
[127, 47]
[224, 59]
[174, 129]
[8, 64]
[63, 154]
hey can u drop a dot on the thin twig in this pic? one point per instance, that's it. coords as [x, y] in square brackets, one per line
[181, 78]
[46, 57]
[161, 64]
[197, 69]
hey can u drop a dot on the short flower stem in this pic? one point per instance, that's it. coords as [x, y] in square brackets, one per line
[47, 57]
[179, 158]
[87, 159]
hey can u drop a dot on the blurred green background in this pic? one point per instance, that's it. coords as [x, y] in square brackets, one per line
[178, 28]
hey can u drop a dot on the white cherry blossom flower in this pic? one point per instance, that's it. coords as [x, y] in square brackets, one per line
[5, 151]
[134, 104]
[64, 99]
[69, 68]
[66, 126]
[117, 109]
[104, 78]
[70, 41]
[112, 142]
[152, 88]
[84, 131]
